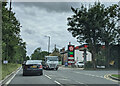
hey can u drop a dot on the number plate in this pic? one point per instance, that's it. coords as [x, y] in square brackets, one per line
[34, 66]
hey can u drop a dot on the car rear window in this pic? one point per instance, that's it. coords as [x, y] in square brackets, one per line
[33, 62]
[80, 62]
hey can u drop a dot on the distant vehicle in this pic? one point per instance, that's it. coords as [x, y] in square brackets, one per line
[100, 66]
[51, 62]
[79, 64]
[32, 67]
[23, 64]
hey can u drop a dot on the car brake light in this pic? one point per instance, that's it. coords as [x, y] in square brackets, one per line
[40, 67]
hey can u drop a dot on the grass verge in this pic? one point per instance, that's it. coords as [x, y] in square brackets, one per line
[116, 75]
[8, 68]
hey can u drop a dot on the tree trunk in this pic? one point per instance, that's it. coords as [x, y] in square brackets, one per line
[107, 47]
[93, 59]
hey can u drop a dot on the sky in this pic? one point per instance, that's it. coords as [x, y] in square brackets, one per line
[46, 18]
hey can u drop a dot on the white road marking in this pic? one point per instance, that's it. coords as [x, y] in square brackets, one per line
[90, 75]
[48, 77]
[64, 79]
[101, 76]
[57, 82]
[13, 77]
[81, 83]
[106, 76]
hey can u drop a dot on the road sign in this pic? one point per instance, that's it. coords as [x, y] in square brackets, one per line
[71, 48]
[70, 54]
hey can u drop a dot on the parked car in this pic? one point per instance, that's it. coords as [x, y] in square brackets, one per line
[33, 67]
[79, 64]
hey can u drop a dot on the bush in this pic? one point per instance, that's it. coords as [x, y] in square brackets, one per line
[89, 64]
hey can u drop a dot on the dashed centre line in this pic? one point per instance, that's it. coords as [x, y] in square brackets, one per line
[48, 77]
[81, 83]
[57, 82]
[90, 75]
[54, 81]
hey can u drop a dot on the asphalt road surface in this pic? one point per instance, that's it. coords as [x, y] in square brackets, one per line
[66, 77]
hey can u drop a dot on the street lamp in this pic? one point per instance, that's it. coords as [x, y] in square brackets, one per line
[48, 43]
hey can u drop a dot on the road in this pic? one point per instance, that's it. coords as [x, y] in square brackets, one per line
[66, 77]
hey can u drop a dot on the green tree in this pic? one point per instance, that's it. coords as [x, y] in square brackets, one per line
[27, 58]
[110, 33]
[86, 25]
[11, 40]
[96, 25]
[56, 53]
[20, 53]
[38, 54]
[43, 54]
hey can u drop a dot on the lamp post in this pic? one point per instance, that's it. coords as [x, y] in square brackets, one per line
[48, 43]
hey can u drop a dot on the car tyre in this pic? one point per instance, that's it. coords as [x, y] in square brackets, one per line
[23, 74]
[41, 73]
[56, 68]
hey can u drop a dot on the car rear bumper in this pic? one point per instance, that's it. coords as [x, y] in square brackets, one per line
[51, 67]
[27, 72]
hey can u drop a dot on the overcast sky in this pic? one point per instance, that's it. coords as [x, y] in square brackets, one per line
[45, 18]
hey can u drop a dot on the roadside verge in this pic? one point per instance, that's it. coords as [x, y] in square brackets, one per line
[6, 80]
[115, 78]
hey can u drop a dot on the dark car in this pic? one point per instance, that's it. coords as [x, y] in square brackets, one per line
[33, 67]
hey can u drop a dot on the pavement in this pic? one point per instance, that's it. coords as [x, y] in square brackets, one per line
[65, 77]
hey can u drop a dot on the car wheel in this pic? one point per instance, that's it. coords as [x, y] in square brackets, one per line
[23, 74]
[56, 68]
[41, 73]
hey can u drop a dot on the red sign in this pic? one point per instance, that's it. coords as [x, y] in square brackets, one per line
[71, 55]
[71, 48]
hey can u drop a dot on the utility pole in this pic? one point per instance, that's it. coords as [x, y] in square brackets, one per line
[55, 47]
[48, 43]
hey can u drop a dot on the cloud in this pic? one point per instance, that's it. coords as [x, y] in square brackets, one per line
[40, 19]
[49, 6]
[29, 31]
